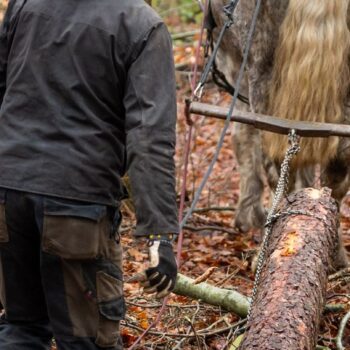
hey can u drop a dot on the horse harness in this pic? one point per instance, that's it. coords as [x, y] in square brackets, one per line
[218, 76]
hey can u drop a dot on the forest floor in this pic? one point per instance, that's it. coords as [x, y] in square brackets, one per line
[221, 249]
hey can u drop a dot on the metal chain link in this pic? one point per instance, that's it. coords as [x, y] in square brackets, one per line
[281, 190]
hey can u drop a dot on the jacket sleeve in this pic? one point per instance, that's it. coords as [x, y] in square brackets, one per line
[150, 105]
[4, 51]
[7, 29]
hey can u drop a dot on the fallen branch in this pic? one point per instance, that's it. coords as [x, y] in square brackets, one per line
[203, 332]
[205, 275]
[340, 274]
[209, 228]
[330, 308]
[205, 210]
[230, 300]
[343, 323]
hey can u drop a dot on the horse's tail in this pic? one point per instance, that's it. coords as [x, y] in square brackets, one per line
[310, 77]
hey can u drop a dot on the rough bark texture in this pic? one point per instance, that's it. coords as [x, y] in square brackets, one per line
[227, 299]
[291, 294]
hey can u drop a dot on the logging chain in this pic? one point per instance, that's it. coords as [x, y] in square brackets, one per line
[282, 186]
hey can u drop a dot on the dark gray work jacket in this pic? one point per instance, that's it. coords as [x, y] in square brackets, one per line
[87, 93]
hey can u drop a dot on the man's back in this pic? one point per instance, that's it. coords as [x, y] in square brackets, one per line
[71, 97]
[87, 91]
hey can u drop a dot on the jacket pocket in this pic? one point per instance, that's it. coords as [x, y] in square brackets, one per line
[73, 231]
[111, 308]
[4, 235]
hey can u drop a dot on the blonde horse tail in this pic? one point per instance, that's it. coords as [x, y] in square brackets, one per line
[310, 77]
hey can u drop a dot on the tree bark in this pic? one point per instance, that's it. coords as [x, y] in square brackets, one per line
[291, 294]
[227, 299]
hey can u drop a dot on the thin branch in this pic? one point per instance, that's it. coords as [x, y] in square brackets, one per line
[205, 210]
[194, 331]
[339, 274]
[155, 306]
[202, 332]
[341, 331]
[234, 273]
[335, 308]
[156, 321]
[210, 228]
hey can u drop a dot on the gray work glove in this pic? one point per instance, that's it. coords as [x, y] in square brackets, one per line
[160, 277]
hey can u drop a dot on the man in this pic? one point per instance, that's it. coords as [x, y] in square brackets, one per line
[87, 92]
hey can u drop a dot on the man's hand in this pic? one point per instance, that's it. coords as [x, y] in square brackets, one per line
[160, 277]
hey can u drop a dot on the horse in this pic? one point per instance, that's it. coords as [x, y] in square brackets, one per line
[298, 68]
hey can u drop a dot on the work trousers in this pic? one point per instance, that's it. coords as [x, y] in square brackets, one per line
[60, 274]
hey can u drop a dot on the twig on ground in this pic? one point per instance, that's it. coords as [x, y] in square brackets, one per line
[155, 306]
[220, 283]
[339, 338]
[339, 295]
[335, 308]
[203, 277]
[339, 274]
[203, 332]
[153, 324]
[210, 228]
[194, 330]
[205, 210]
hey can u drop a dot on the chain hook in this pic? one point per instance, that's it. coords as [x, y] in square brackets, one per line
[198, 92]
[228, 10]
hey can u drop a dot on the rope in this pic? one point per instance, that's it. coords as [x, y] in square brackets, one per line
[188, 141]
[183, 190]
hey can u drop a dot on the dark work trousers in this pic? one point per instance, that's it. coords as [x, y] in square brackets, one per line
[60, 274]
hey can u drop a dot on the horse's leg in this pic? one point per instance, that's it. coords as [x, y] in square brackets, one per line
[250, 212]
[336, 176]
[246, 145]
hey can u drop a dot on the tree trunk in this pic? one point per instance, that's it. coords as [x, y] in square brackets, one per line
[291, 294]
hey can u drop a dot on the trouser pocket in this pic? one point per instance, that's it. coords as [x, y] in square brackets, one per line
[75, 231]
[111, 309]
[84, 237]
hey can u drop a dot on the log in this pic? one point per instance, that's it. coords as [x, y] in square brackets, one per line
[228, 299]
[291, 293]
